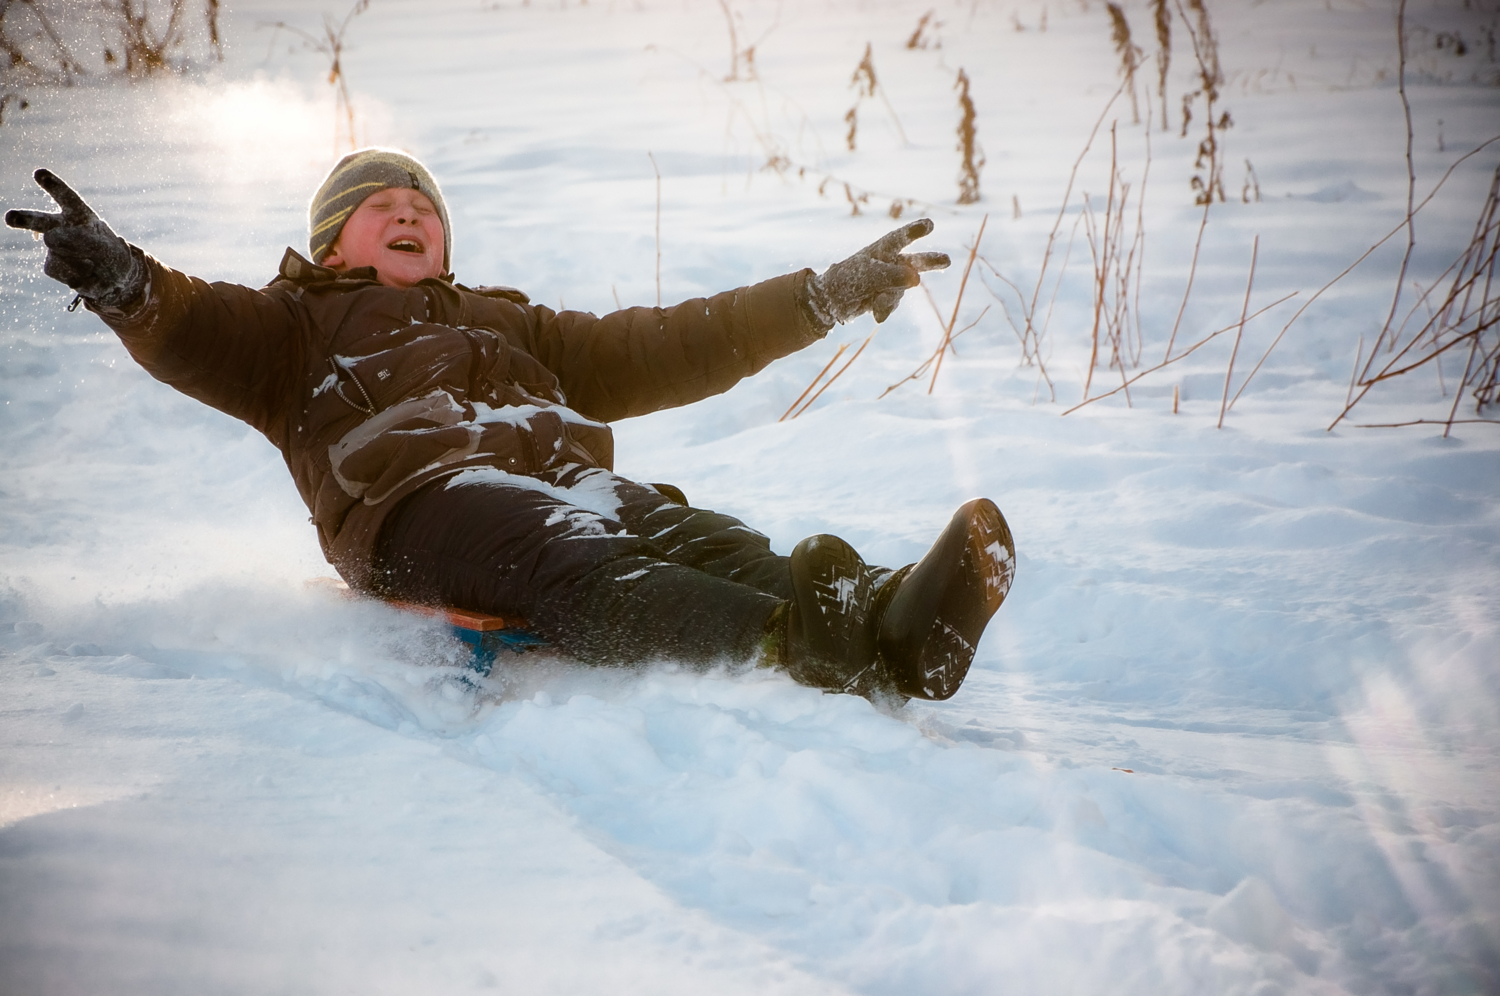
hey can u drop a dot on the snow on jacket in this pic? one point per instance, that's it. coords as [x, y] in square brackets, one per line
[372, 391]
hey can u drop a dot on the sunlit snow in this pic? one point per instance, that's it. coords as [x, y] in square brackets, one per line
[1235, 730]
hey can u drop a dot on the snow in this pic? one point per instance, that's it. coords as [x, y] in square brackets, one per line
[1234, 730]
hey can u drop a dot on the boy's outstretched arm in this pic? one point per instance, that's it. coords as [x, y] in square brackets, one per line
[228, 346]
[82, 251]
[641, 360]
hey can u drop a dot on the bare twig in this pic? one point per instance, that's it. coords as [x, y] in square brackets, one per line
[1028, 309]
[790, 408]
[1185, 353]
[331, 45]
[1458, 321]
[1240, 331]
[1427, 421]
[953, 319]
[657, 171]
[1411, 188]
[1363, 256]
[922, 367]
[968, 144]
[837, 374]
[1192, 274]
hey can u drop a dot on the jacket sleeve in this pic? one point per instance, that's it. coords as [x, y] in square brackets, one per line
[641, 360]
[231, 347]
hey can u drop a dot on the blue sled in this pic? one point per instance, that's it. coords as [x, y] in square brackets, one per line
[485, 635]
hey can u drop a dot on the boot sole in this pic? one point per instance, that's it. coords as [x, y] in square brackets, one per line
[932, 627]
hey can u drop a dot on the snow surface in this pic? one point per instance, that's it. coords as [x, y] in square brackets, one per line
[1235, 730]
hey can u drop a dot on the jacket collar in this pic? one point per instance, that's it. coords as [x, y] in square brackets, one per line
[296, 268]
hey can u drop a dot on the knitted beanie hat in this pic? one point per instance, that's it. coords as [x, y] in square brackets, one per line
[357, 176]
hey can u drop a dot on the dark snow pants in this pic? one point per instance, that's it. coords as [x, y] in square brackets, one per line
[609, 571]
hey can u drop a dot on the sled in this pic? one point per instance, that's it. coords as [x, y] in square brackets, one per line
[485, 635]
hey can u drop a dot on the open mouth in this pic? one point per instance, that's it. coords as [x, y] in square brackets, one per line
[406, 245]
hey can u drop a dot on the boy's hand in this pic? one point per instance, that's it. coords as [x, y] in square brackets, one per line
[82, 251]
[874, 278]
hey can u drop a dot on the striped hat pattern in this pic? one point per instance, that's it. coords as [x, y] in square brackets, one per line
[357, 176]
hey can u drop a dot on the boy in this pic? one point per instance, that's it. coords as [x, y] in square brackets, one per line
[451, 442]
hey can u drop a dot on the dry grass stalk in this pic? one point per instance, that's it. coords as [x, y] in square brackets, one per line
[865, 84]
[331, 46]
[1114, 269]
[918, 37]
[781, 164]
[138, 50]
[1363, 256]
[968, 171]
[1031, 346]
[1238, 332]
[829, 383]
[1411, 184]
[1467, 321]
[808, 389]
[746, 55]
[1129, 53]
[145, 51]
[1116, 278]
[1208, 182]
[1030, 331]
[944, 346]
[1187, 290]
[926, 364]
[1163, 18]
[17, 59]
[935, 361]
[1182, 355]
[1252, 185]
[734, 45]
[657, 171]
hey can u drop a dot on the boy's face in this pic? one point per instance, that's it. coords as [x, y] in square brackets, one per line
[396, 230]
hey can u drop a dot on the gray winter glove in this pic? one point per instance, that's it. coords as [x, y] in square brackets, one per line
[82, 251]
[873, 279]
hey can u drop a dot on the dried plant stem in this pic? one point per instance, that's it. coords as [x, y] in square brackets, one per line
[1163, 18]
[734, 44]
[792, 407]
[1187, 291]
[1363, 256]
[657, 171]
[1459, 320]
[1450, 422]
[1031, 350]
[1029, 309]
[968, 144]
[1411, 189]
[925, 364]
[1240, 331]
[953, 319]
[332, 46]
[837, 374]
[1184, 354]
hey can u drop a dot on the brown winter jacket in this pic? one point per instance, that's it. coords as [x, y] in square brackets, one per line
[372, 391]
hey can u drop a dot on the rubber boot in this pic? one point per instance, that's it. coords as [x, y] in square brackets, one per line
[830, 626]
[931, 614]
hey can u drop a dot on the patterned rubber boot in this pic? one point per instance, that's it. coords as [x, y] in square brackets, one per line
[830, 621]
[931, 614]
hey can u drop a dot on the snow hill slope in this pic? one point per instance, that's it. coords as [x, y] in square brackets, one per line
[1235, 730]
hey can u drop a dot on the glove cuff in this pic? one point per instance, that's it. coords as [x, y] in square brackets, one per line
[815, 305]
[130, 289]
